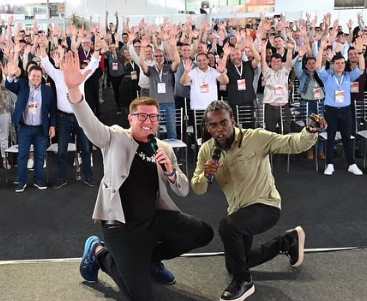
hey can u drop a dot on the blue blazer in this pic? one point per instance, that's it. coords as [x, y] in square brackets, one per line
[21, 88]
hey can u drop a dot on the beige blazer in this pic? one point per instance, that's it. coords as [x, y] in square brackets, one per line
[118, 151]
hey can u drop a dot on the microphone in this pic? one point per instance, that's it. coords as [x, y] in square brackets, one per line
[215, 158]
[154, 145]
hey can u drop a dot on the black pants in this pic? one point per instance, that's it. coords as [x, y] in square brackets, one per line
[115, 82]
[339, 118]
[237, 231]
[130, 249]
[278, 115]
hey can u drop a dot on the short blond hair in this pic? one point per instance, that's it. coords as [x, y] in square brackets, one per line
[148, 101]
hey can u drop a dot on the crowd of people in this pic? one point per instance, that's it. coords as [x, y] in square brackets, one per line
[52, 86]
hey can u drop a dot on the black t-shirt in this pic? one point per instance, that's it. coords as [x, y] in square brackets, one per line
[236, 96]
[139, 192]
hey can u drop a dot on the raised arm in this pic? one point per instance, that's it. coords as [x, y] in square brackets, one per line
[185, 78]
[96, 132]
[264, 64]
[142, 63]
[323, 46]
[288, 63]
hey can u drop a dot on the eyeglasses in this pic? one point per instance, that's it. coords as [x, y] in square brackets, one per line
[223, 123]
[143, 116]
[158, 55]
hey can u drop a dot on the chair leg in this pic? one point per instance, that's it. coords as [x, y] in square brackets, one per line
[288, 160]
[186, 165]
[364, 154]
[6, 170]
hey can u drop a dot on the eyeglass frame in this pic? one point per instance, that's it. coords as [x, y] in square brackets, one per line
[146, 116]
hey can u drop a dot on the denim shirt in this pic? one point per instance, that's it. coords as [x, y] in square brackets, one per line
[303, 77]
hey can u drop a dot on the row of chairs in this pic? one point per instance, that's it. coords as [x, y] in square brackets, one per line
[51, 150]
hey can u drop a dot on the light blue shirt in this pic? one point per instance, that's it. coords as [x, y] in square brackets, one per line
[333, 83]
[33, 116]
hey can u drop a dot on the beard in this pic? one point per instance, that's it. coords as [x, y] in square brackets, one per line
[226, 144]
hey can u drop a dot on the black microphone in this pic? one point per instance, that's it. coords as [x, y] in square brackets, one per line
[154, 145]
[215, 158]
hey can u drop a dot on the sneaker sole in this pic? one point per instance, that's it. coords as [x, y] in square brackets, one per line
[165, 283]
[301, 246]
[87, 245]
[40, 187]
[58, 187]
[21, 190]
[244, 296]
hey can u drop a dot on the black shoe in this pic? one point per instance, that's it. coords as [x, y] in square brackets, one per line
[90, 182]
[238, 290]
[40, 185]
[60, 184]
[20, 187]
[296, 248]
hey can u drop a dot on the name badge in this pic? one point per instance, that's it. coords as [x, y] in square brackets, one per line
[33, 108]
[339, 96]
[263, 82]
[241, 84]
[134, 75]
[161, 88]
[317, 93]
[222, 87]
[115, 66]
[279, 90]
[204, 88]
[354, 87]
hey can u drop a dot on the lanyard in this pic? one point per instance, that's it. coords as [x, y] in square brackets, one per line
[337, 82]
[238, 71]
[199, 71]
[160, 73]
[132, 65]
[86, 54]
[34, 93]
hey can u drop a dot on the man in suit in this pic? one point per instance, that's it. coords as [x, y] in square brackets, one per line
[35, 117]
[141, 227]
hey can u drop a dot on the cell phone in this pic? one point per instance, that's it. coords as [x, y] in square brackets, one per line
[314, 124]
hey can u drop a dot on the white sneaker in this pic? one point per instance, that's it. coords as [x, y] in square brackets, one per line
[355, 170]
[329, 170]
[30, 163]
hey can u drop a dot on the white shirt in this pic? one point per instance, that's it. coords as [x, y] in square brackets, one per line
[198, 99]
[143, 79]
[276, 87]
[57, 75]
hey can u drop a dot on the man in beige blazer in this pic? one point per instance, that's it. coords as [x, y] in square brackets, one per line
[140, 222]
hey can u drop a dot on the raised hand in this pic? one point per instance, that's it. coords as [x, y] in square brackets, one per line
[358, 44]
[56, 57]
[12, 68]
[188, 66]
[302, 50]
[350, 24]
[72, 75]
[221, 66]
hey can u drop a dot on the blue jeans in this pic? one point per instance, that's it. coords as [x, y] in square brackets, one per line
[66, 125]
[170, 118]
[316, 108]
[28, 135]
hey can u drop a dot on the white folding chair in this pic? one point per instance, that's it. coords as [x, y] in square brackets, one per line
[361, 121]
[176, 143]
[14, 149]
[246, 116]
[53, 149]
